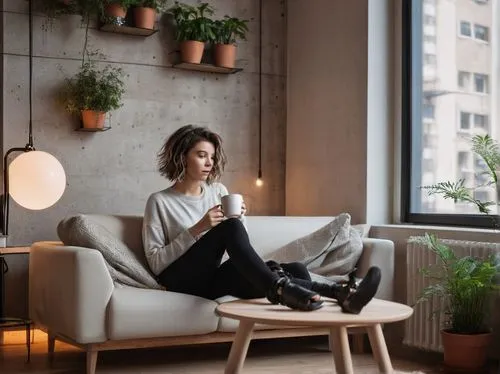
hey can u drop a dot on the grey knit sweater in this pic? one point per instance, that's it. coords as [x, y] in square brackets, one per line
[168, 216]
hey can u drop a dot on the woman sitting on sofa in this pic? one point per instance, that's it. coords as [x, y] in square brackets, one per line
[185, 235]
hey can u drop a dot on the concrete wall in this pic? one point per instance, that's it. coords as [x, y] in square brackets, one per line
[115, 171]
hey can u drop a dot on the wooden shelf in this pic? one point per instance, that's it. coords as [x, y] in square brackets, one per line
[206, 68]
[97, 129]
[128, 30]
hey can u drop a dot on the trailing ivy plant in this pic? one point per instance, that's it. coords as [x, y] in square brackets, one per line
[229, 29]
[193, 22]
[464, 284]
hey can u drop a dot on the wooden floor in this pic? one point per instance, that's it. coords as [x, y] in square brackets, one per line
[288, 356]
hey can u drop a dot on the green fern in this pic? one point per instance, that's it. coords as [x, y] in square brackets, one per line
[458, 192]
[463, 283]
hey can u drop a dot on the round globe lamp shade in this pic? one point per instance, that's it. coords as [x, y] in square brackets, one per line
[36, 180]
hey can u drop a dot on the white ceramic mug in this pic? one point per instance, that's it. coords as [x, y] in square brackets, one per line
[231, 205]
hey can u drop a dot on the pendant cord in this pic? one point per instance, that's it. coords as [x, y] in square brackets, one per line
[260, 89]
[30, 139]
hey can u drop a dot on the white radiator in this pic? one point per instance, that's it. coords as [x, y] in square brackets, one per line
[422, 330]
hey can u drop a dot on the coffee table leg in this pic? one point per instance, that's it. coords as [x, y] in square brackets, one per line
[379, 348]
[339, 344]
[239, 348]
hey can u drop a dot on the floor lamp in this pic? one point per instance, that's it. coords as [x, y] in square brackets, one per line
[35, 179]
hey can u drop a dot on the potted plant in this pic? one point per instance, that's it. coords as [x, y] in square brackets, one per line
[116, 10]
[464, 285]
[91, 93]
[193, 29]
[227, 31]
[145, 12]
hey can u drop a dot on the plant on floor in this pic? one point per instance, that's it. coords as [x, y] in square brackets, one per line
[94, 89]
[464, 284]
[465, 287]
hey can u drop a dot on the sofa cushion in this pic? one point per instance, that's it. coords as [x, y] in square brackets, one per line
[124, 266]
[135, 313]
[334, 249]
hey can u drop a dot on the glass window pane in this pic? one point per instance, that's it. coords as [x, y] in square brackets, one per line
[465, 29]
[455, 103]
[464, 121]
[481, 32]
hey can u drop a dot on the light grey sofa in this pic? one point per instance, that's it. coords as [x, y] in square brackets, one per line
[72, 296]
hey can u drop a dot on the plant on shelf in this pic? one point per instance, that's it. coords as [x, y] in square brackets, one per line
[145, 12]
[193, 29]
[115, 11]
[227, 31]
[465, 284]
[93, 92]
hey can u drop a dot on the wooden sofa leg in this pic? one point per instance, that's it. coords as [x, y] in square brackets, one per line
[51, 343]
[358, 343]
[91, 359]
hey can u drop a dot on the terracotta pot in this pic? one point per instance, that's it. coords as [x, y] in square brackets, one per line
[92, 119]
[225, 55]
[144, 17]
[466, 353]
[192, 51]
[115, 10]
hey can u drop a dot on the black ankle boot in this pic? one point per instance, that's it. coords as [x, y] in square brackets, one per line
[357, 299]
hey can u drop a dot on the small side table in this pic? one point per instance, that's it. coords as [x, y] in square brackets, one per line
[6, 322]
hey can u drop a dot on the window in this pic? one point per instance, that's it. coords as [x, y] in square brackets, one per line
[481, 122]
[429, 20]
[430, 59]
[465, 121]
[428, 111]
[463, 161]
[464, 80]
[465, 29]
[481, 32]
[480, 83]
[436, 112]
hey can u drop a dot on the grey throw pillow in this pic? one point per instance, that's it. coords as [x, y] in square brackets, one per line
[122, 262]
[334, 249]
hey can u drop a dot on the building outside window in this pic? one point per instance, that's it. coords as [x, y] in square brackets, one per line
[440, 115]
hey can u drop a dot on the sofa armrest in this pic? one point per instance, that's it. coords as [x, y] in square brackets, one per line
[69, 290]
[379, 252]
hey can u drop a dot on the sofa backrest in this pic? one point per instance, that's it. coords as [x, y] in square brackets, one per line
[267, 233]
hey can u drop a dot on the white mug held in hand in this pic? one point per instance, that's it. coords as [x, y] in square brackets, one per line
[231, 205]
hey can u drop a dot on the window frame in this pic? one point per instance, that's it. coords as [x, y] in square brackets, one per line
[411, 97]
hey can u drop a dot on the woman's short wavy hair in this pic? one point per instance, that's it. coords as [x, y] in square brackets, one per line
[172, 156]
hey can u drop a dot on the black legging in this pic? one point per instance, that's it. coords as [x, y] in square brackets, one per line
[245, 275]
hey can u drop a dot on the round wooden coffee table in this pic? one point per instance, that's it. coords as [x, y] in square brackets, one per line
[377, 312]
